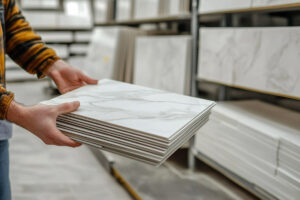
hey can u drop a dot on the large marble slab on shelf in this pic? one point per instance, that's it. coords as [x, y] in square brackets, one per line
[56, 36]
[263, 59]
[262, 3]
[135, 107]
[36, 4]
[159, 60]
[207, 6]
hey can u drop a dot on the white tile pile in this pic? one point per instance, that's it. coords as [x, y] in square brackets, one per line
[262, 3]
[124, 10]
[61, 50]
[210, 6]
[103, 11]
[134, 121]
[111, 52]
[79, 49]
[56, 36]
[82, 36]
[159, 60]
[237, 56]
[147, 9]
[259, 142]
[36, 4]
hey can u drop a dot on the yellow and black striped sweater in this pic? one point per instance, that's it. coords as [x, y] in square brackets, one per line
[23, 46]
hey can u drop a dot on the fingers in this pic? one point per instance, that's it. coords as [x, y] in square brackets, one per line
[59, 139]
[68, 107]
[88, 80]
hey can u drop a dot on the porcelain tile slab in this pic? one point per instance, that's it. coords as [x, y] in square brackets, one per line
[147, 110]
[207, 6]
[261, 3]
[159, 60]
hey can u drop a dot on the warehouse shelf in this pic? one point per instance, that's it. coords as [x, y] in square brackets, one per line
[263, 9]
[179, 18]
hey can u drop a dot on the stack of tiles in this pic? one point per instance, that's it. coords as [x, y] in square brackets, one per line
[134, 121]
[103, 11]
[212, 6]
[124, 10]
[257, 141]
[159, 60]
[178, 7]
[111, 52]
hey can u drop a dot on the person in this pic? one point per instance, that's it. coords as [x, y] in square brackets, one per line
[26, 48]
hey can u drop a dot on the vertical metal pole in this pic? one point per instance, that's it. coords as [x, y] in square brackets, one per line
[194, 64]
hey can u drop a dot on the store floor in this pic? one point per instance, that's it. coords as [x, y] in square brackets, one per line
[40, 172]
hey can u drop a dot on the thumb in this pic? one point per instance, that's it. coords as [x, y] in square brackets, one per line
[88, 80]
[68, 107]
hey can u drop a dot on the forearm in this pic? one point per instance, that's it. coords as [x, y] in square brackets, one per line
[16, 113]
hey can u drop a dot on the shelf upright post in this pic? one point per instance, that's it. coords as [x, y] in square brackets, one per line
[194, 66]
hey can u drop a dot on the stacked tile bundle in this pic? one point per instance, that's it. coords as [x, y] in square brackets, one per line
[258, 142]
[146, 9]
[159, 60]
[133, 121]
[103, 11]
[111, 52]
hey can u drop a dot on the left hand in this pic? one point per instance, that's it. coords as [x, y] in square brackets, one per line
[68, 78]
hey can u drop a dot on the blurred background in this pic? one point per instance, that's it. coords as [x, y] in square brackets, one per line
[244, 54]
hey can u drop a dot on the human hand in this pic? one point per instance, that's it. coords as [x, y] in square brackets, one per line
[68, 78]
[41, 121]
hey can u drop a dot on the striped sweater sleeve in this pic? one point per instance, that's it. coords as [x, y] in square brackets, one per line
[23, 45]
[25, 48]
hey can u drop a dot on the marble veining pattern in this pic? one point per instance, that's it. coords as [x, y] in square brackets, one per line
[159, 60]
[147, 110]
[265, 59]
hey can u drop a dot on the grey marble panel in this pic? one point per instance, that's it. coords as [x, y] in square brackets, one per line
[259, 3]
[264, 59]
[163, 62]
[207, 6]
[146, 110]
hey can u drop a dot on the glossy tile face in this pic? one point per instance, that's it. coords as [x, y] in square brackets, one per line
[258, 3]
[207, 6]
[143, 109]
[264, 59]
[159, 60]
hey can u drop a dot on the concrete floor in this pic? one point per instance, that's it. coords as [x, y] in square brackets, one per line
[40, 172]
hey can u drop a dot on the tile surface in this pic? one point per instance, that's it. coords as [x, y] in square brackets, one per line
[145, 9]
[159, 60]
[258, 3]
[146, 110]
[270, 56]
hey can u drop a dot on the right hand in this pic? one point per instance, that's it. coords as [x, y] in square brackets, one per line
[41, 121]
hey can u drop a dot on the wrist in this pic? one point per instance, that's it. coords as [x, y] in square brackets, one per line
[16, 113]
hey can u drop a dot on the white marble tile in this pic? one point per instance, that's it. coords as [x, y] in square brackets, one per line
[61, 50]
[103, 11]
[82, 36]
[146, 110]
[124, 10]
[40, 4]
[56, 36]
[177, 7]
[264, 59]
[260, 3]
[207, 6]
[145, 9]
[79, 48]
[159, 60]
[214, 63]
[101, 55]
